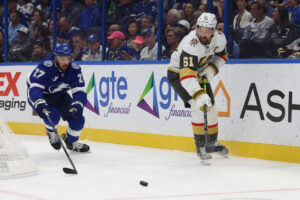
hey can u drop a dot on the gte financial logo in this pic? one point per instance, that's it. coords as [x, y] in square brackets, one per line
[110, 89]
[8, 87]
[168, 96]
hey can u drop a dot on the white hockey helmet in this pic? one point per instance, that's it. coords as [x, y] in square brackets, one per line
[207, 20]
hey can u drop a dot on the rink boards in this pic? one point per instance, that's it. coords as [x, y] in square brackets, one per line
[134, 104]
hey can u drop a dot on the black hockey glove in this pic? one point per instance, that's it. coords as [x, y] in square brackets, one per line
[41, 107]
[76, 109]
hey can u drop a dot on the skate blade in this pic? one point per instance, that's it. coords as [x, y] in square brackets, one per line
[205, 162]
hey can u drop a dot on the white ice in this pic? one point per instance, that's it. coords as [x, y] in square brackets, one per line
[113, 172]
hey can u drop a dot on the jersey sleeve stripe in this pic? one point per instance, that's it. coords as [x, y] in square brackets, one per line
[77, 89]
[223, 57]
[32, 85]
[186, 77]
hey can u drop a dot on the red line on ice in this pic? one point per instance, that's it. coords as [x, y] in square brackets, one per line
[21, 195]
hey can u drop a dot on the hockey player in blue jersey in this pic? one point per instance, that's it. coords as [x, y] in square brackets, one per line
[49, 86]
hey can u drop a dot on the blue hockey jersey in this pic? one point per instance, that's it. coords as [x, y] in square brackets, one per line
[48, 79]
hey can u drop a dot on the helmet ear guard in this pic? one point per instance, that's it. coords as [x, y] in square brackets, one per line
[62, 49]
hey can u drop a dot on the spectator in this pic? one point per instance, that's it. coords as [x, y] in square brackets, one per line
[184, 26]
[145, 7]
[254, 42]
[12, 6]
[241, 20]
[202, 8]
[1, 46]
[220, 13]
[149, 52]
[133, 31]
[139, 40]
[188, 12]
[46, 8]
[112, 28]
[14, 26]
[146, 22]
[71, 11]
[20, 49]
[174, 36]
[94, 52]
[125, 10]
[269, 7]
[39, 51]
[233, 47]
[90, 16]
[42, 34]
[80, 45]
[118, 49]
[173, 17]
[294, 12]
[38, 19]
[26, 8]
[66, 31]
[259, 26]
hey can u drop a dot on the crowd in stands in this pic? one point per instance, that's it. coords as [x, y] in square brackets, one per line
[260, 28]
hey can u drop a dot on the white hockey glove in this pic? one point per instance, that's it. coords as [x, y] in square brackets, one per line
[207, 72]
[202, 100]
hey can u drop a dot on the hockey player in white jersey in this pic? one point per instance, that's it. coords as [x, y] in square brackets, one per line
[200, 54]
[48, 87]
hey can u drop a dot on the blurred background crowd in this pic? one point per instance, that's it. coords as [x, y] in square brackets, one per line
[257, 29]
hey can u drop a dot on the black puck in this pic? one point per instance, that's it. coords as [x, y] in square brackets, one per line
[144, 183]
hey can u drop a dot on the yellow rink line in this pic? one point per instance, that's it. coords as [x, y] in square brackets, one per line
[243, 149]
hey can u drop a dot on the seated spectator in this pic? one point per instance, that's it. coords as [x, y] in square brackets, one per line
[146, 22]
[133, 31]
[220, 10]
[46, 7]
[66, 31]
[12, 6]
[254, 43]
[20, 49]
[90, 16]
[188, 12]
[202, 8]
[124, 10]
[149, 52]
[112, 28]
[79, 45]
[184, 26]
[14, 26]
[39, 51]
[1, 46]
[241, 20]
[139, 40]
[233, 47]
[42, 35]
[290, 51]
[174, 36]
[71, 10]
[281, 32]
[269, 7]
[94, 52]
[118, 49]
[173, 17]
[294, 12]
[145, 7]
[37, 20]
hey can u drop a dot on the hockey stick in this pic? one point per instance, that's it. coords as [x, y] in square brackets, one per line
[205, 118]
[65, 169]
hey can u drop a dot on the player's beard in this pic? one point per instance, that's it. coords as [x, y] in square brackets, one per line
[204, 40]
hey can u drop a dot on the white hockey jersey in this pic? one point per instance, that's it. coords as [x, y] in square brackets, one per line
[191, 55]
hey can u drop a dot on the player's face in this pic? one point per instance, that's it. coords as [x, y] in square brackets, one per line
[63, 62]
[204, 34]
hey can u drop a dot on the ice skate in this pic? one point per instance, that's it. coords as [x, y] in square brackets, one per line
[75, 146]
[203, 155]
[54, 140]
[221, 150]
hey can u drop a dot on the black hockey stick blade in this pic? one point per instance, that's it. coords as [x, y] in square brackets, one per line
[70, 171]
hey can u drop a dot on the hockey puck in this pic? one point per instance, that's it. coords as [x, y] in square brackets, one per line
[144, 183]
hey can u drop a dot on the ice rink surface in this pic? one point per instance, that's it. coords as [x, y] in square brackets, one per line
[113, 172]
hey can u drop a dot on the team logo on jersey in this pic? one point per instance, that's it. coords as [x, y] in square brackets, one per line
[193, 42]
[88, 105]
[59, 87]
[48, 63]
[143, 104]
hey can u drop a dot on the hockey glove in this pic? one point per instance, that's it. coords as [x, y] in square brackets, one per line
[202, 100]
[76, 109]
[41, 108]
[207, 72]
